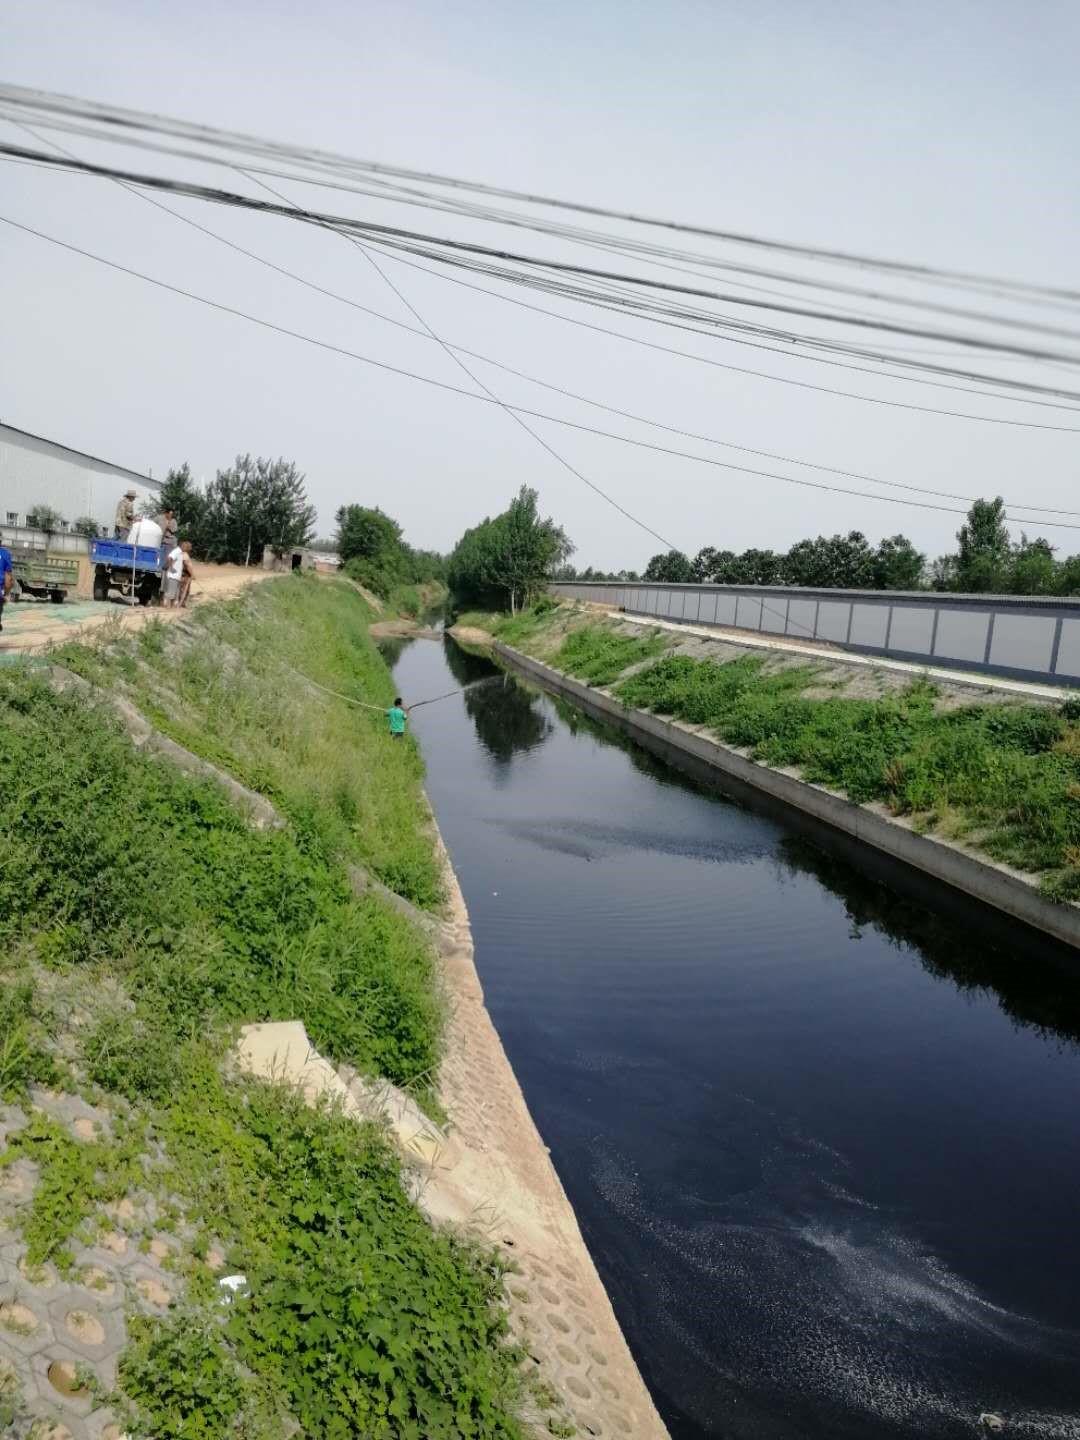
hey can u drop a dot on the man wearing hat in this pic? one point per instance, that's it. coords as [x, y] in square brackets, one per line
[125, 515]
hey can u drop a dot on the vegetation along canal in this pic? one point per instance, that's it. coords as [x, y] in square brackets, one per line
[820, 1134]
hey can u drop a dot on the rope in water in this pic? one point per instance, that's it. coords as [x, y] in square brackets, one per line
[363, 704]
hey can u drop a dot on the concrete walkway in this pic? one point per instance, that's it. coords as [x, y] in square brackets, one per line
[33, 626]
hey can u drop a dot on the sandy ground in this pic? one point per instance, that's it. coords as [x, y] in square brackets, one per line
[33, 626]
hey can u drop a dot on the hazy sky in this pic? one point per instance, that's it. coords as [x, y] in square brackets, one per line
[942, 133]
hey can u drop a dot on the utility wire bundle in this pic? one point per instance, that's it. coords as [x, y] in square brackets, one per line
[706, 292]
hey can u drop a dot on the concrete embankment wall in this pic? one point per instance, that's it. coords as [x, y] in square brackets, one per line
[1022, 636]
[1008, 891]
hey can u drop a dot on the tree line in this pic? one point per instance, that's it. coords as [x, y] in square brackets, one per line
[246, 507]
[986, 561]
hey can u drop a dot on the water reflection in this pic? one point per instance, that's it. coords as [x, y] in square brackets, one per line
[1031, 993]
[1013, 965]
[508, 718]
[392, 647]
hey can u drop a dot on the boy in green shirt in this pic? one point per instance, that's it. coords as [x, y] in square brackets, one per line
[397, 716]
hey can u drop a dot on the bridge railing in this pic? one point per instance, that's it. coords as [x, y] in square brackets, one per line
[1026, 637]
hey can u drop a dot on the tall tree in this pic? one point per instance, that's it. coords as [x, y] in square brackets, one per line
[1033, 569]
[253, 504]
[504, 560]
[180, 494]
[704, 564]
[897, 564]
[365, 533]
[983, 559]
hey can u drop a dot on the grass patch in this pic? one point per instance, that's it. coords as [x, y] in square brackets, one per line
[75, 1177]
[237, 697]
[122, 863]
[1011, 773]
[599, 656]
[357, 1320]
[142, 919]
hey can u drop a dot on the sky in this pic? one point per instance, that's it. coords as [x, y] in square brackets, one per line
[935, 133]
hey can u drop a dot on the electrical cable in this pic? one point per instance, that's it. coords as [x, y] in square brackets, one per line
[483, 399]
[487, 359]
[801, 341]
[758, 374]
[396, 235]
[118, 119]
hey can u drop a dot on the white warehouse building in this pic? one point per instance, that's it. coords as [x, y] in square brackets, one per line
[35, 471]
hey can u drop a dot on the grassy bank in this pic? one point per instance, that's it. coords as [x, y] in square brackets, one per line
[141, 920]
[246, 700]
[1005, 778]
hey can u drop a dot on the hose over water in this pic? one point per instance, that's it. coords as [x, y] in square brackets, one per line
[364, 705]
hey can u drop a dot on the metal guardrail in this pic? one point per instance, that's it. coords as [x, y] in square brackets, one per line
[1028, 637]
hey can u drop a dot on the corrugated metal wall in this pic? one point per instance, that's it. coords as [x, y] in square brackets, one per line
[1026, 637]
[39, 472]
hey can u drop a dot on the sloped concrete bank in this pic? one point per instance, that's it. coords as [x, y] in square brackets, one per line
[1008, 891]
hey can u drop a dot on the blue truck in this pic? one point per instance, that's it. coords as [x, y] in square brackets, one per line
[134, 570]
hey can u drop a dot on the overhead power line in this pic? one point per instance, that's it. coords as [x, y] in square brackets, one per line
[757, 374]
[114, 120]
[390, 234]
[737, 329]
[454, 350]
[484, 399]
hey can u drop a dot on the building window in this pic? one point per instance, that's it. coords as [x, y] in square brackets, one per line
[12, 517]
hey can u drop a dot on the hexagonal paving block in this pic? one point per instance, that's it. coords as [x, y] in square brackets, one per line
[83, 1121]
[108, 1254]
[87, 1329]
[99, 1286]
[17, 1182]
[42, 1277]
[54, 1373]
[102, 1425]
[24, 1323]
[153, 1293]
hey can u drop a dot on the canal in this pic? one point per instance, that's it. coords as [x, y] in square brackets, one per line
[821, 1131]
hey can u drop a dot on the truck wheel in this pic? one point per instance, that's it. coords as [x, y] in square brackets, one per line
[58, 596]
[101, 584]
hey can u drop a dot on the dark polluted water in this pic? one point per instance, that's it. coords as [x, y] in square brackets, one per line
[821, 1132]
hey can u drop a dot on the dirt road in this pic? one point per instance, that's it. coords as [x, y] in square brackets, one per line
[32, 626]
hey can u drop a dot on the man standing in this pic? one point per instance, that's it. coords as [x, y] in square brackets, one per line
[6, 580]
[125, 515]
[174, 573]
[186, 577]
[167, 521]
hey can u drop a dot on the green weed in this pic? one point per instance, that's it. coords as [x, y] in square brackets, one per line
[357, 1315]
[76, 1176]
[123, 861]
[599, 656]
[1009, 772]
[24, 1058]
[243, 696]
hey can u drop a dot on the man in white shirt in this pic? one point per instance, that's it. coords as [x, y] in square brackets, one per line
[174, 573]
